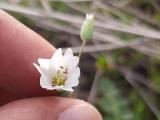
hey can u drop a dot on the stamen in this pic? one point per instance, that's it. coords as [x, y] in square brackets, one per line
[61, 67]
[60, 77]
[66, 71]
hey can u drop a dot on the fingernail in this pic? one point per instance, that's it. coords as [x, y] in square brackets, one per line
[80, 112]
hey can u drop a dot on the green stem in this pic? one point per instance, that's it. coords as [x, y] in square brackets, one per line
[64, 93]
[81, 49]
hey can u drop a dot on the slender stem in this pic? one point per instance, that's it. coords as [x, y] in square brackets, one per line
[81, 49]
[64, 93]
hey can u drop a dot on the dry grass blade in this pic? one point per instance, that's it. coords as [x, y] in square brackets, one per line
[93, 91]
[119, 27]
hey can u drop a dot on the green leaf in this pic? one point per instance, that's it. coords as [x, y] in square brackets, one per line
[112, 103]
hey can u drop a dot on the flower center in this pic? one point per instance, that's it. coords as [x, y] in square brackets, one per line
[60, 77]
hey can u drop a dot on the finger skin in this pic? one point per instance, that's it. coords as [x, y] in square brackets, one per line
[19, 48]
[6, 97]
[48, 108]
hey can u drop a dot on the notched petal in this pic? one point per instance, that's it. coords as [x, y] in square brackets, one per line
[57, 54]
[68, 53]
[73, 78]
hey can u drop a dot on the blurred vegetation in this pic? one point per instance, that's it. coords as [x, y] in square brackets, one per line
[125, 48]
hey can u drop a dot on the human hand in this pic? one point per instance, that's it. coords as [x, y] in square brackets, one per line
[19, 48]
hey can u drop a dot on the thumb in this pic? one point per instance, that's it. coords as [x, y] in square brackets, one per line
[49, 108]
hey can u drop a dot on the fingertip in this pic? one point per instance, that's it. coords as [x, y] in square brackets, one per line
[50, 108]
[82, 111]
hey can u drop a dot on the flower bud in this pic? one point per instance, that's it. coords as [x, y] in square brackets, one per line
[87, 28]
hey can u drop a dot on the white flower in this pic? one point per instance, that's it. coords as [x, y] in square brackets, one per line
[60, 72]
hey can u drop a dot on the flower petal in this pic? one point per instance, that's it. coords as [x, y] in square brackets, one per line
[45, 76]
[68, 53]
[55, 88]
[60, 88]
[43, 71]
[72, 80]
[67, 89]
[45, 82]
[57, 54]
[56, 60]
[44, 63]
[71, 62]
